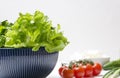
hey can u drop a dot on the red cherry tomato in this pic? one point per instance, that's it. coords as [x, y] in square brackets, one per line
[73, 66]
[79, 72]
[61, 69]
[97, 68]
[67, 73]
[88, 70]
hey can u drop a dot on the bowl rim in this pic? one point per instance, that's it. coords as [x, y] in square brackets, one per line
[27, 48]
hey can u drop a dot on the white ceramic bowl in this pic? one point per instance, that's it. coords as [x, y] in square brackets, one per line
[101, 60]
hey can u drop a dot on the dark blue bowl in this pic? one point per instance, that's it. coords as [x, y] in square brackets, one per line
[24, 63]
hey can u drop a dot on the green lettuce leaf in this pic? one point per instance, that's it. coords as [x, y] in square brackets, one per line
[35, 31]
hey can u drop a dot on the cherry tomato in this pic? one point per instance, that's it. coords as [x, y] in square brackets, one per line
[67, 73]
[79, 72]
[88, 70]
[61, 69]
[73, 66]
[97, 68]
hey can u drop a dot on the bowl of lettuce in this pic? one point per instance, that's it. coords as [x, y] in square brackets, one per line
[29, 47]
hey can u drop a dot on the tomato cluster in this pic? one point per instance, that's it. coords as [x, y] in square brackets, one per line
[80, 69]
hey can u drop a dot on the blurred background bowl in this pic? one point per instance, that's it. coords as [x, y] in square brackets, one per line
[24, 63]
[96, 56]
[101, 60]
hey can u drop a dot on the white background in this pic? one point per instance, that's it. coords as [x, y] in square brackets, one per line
[89, 25]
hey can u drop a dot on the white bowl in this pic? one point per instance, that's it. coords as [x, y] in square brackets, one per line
[101, 60]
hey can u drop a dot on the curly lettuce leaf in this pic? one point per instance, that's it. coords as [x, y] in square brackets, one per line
[35, 31]
[4, 26]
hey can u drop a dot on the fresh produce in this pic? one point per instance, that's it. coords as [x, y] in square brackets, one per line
[88, 70]
[32, 31]
[67, 73]
[81, 69]
[4, 26]
[109, 73]
[61, 69]
[114, 73]
[111, 65]
[114, 69]
[97, 69]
